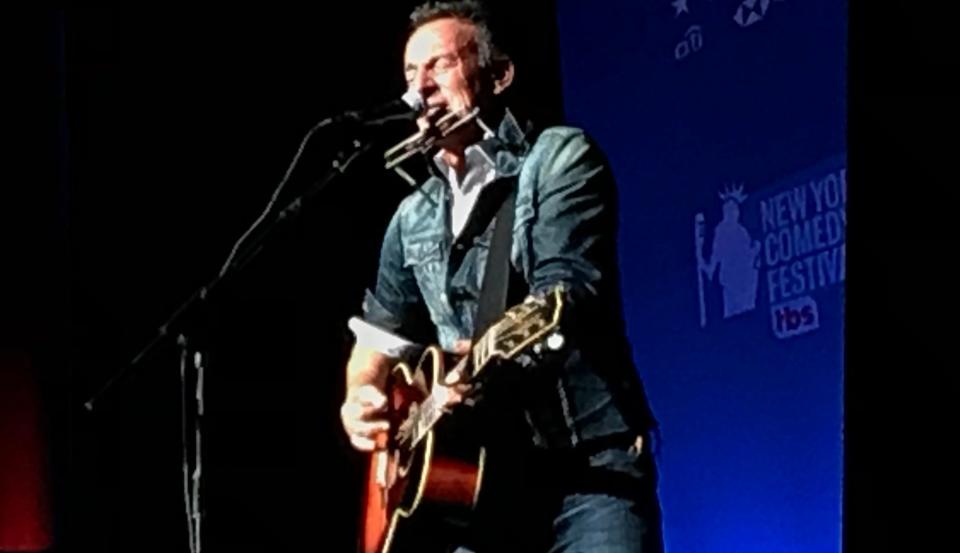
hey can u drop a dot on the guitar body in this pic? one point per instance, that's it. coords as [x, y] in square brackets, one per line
[424, 480]
[418, 493]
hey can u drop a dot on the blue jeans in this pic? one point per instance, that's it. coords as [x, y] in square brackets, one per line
[599, 523]
[607, 504]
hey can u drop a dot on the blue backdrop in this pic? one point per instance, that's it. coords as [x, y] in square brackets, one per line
[724, 123]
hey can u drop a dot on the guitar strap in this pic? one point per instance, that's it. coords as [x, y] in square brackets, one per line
[496, 274]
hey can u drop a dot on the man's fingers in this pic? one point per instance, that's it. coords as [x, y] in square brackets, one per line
[362, 416]
[362, 432]
[377, 442]
[361, 443]
[371, 395]
[355, 410]
[363, 411]
[453, 377]
[447, 396]
[365, 428]
[461, 347]
[356, 419]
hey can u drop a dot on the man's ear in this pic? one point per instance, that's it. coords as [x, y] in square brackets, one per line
[503, 70]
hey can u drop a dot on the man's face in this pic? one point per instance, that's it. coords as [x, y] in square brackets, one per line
[441, 62]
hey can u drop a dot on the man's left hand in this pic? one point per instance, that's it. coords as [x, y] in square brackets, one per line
[454, 387]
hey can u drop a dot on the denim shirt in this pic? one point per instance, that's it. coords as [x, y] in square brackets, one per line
[564, 232]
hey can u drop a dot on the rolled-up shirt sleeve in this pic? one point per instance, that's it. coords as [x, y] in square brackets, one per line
[378, 339]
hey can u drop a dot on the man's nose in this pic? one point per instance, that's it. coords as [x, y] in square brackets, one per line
[423, 83]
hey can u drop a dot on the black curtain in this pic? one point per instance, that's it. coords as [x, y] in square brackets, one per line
[157, 139]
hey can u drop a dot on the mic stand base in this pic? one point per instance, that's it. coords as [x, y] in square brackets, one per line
[191, 481]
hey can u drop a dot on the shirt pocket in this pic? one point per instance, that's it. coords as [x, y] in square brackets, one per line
[425, 259]
[422, 253]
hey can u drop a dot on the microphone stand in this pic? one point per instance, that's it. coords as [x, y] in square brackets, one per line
[191, 346]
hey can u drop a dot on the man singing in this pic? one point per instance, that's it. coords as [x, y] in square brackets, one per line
[579, 425]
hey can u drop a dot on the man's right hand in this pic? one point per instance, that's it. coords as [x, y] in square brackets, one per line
[362, 416]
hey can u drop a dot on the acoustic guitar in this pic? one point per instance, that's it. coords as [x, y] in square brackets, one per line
[419, 471]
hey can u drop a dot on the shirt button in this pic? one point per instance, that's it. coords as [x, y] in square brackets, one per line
[443, 297]
[458, 246]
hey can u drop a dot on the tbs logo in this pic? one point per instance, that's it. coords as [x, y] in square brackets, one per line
[795, 317]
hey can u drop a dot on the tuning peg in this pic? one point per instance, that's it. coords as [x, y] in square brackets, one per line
[555, 341]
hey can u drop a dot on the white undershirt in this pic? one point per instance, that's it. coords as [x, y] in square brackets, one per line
[480, 171]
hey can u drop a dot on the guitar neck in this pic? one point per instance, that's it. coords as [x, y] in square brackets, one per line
[483, 351]
[520, 326]
[431, 410]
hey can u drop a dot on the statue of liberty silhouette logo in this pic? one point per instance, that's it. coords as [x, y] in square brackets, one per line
[734, 258]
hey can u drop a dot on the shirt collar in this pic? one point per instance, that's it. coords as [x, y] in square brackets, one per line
[479, 156]
[504, 149]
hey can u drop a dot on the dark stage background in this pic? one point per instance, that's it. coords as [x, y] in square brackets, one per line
[162, 135]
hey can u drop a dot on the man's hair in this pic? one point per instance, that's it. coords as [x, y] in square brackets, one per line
[464, 10]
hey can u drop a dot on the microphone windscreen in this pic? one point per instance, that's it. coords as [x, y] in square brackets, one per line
[414, 100]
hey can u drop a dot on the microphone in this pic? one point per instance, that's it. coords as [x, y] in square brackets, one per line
[406, 108]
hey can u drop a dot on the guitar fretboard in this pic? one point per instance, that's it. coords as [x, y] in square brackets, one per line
[520, 326]
[431, 410]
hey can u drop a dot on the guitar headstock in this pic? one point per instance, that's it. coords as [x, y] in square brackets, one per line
[528, 324]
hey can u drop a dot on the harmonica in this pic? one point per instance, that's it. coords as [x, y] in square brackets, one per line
[423, 140]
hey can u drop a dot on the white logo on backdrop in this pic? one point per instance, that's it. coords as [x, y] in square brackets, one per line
[750, 12]
[734, 253]
[692, 42]
[680, 6]
[793, 244]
